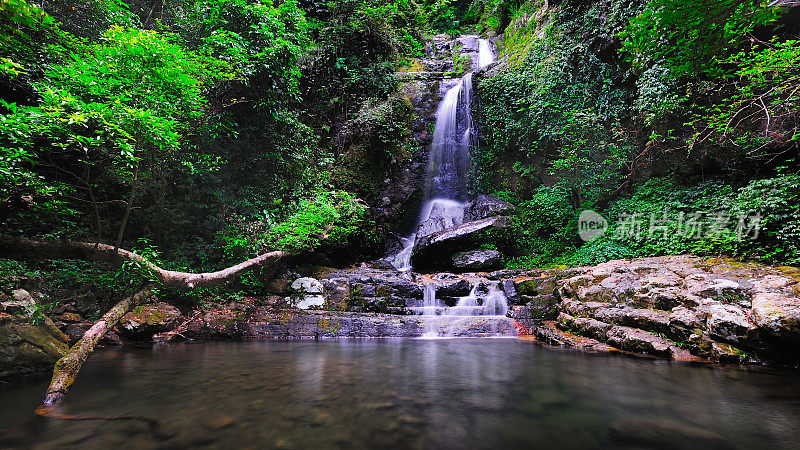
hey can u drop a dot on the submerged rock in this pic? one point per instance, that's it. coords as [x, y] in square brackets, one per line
[666, 434]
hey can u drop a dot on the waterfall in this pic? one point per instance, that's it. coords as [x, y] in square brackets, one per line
[485, 55]
[484, 310]
[446, 176]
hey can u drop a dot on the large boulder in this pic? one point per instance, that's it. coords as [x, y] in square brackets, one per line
[437, 249]
[308, 292]
[724, 321]
[778, 314]
[146, 320]
[485, 206]
[777, 317]
[443, 214]
[475, 260]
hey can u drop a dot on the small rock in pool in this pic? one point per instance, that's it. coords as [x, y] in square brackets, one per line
[216, 423]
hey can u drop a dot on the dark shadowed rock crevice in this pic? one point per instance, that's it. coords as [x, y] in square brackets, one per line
[437, 249]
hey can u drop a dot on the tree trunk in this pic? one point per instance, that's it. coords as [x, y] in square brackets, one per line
[128, 207]
[66, 368]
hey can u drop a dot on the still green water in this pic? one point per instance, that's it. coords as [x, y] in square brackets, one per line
[459, 393]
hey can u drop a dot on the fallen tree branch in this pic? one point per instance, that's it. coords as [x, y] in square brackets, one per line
[66, 368]
[30, 250]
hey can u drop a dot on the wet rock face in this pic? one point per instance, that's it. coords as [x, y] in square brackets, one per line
[266, 323]
[485, 206]
[437, 249]
[714, 309]
[443, 215]
[477, 260]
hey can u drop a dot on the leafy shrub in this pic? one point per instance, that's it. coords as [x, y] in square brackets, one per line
[328, 218]
[778, 199]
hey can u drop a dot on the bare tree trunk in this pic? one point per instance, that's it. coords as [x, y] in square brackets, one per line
[128, 207]
[66, 369]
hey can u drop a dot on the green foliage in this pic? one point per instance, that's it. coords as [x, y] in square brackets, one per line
[259, 43]
[549, 225]
[766, 97]
[18, 19]
[455, 17]
[328, 218]
[570, 113]
[778, 199]
[132, 274]
[129, 97]
[561, 103]
[690, 36]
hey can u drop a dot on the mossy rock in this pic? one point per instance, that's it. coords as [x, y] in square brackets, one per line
[146, 320]
[535, 286]
[27, 349]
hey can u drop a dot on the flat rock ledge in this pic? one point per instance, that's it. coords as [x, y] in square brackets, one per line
[260, 323]
[678, 307]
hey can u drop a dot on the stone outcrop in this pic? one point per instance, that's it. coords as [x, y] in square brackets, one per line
[29, 342]
[146, 320]
[308, 293]
[265, 322]
[477, 260]
[677, 306]
[485, 206]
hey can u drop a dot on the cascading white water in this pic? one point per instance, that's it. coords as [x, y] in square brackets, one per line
[485, 55]
[494, 303]
[446, 184]
[430, 306]
[484, 311]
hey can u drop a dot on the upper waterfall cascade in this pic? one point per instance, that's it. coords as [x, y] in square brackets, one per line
[446, 176]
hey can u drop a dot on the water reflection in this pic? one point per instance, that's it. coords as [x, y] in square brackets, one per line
[413, 393]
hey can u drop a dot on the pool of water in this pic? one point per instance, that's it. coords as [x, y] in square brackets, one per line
[456, 393]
